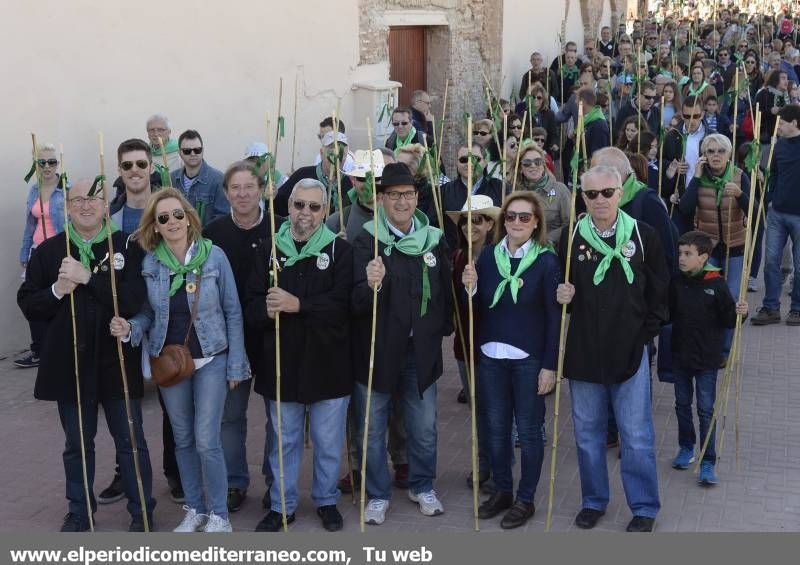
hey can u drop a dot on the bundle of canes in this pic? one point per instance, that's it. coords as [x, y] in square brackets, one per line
[294, 120]
[123, 372]
[373, 331]
[274, 276]
[39, 181]
[336, 172]
[733, 159]
[563, 330]
[75, 349]
[440, 140]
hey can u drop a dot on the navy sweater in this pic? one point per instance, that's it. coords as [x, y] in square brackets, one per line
[783, 194]
[532, 324]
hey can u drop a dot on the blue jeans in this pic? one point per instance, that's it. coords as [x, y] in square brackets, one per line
[234, 435]
[327, 422]
[633, 410]
[195, 407]
[732, 278]
[420, 424]
[509, 388]
[481, 424]
[705, 385]
[780, 227]
[117, 421]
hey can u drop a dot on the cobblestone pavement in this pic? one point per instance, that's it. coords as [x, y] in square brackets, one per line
[761, 493]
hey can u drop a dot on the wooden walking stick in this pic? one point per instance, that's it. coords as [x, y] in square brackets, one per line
[562, 333]
[733, 159]
[275, 270]
[683, 158]
[371, 369]
[75, 349]
[294, 120]
[610, 103]
[638, 104]
[39, 182]
[123, 371]
[516, 165]
[440, 141]
[503, 151]
[660, 152]
[278, 125]
[471, 329]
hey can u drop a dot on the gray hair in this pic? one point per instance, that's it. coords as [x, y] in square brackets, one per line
[612, 157]
[602, 171]
[417, 94]
[159, 118]
[303, 184]
[719, 139]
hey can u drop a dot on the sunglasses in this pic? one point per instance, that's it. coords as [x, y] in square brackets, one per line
[190, 150]
[398, 124]
[518, 126]
[524, 217]
[538, 139]
[128, 165]
[47, 162]
[691, 116]
[477, 219]
[606, 192]
[715, 151]
[481, 133]
[537, 162]
[177, 213]
[397, 195]
[749, 62]
[649, 96]
[465, 159]
[301, 205]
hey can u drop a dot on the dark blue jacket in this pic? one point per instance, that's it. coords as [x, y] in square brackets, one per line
[783, 191]
[648, 208]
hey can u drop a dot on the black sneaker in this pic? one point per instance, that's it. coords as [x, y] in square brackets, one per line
[176, 494]
[30, 361]
[766, 316]
[137, 524]
[331, 519]
[641, 524]
[266, 502]
[236, 498]
[587, 518]
[112, 492]
[793, 319]
[517, 515]
[74, 523]
[273, 522]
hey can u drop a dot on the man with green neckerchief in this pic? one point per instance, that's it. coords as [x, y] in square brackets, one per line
[158, 127]
[414, 312]
[618, 302]
[404, 131]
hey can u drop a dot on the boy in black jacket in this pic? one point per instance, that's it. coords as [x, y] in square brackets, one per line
[701, 308]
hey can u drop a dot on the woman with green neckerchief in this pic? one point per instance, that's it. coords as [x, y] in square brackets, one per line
[554, 197]
[180, 268]
[698, 85]
[771, 98]
[514, 284]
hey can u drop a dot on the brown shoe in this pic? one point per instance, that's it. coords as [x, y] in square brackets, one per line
[496, 503]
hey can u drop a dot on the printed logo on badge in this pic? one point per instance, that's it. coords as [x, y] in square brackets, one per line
[323, 261]
[581, 258]
[119, 261]
[191, 288]
[430, 259]
[629, 249]
[709, 291]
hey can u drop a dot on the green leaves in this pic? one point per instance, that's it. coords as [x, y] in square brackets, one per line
[31, 172]
[97, 185]
[281, 127]
[753, 156]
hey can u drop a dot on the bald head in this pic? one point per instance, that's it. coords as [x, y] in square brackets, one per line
[612, 157]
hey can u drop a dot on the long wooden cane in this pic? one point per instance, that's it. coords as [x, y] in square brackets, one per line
[294, 120]
[660, 154]
[123, 371]
[610, 102]
[338, 173]
[638, 104]
[371, 369]
[166, 163]
[503, 152]
[75, 350]
[733, 159]
[683, 158]
[39, 182]
[563, 330]
[275, 270]
[516, 164]
[440, 141]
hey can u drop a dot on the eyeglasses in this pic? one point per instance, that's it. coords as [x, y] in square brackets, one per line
[477, 219]
[481, 133]
[397, 195]
[190, 150]
[177, 213]
[398, 124]
[300, 205]
[523, 217]
[692, 116]
[537, 162]
[140, 163]
[47, 162]
[539, 140]
[749, 62]
[81, 200]
[517, 126]
[649, 96]
[593, 194]
[719, 151]
[464, 159]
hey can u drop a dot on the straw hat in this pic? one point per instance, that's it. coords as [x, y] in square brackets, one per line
[481, 204]
[362, 162]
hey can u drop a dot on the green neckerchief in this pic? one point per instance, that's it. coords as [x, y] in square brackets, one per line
[321, 177]
[163, 173]
[625, 226]
[630, 188]
[682, 81]
[401, 142]
[717, 183]
[707, 268]
[171, 146]
[781, 98]
[503, 262]
[594, 115]
[313, 247]
[570, 73]
[539, 184]
[167, 258]
[420, 241]
[700, 89]
[85, 247]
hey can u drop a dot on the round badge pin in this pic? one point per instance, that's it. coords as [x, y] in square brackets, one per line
[629, 249]
[323, 261]
[104, 267]
[430, 259]
[119, 261]
[191, 288]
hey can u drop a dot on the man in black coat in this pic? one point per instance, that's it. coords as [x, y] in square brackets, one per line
[412, 276]
[312, 295]
[49, 278]
[404, 131]
[644, 105]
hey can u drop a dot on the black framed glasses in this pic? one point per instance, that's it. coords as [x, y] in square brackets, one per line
[177, 213]
[481, 132]
[523, 217]
[649, 96]
[717, 151]
[190, 150]
[301, 205]
[396, 195]
[140, 163]
[47, 162]
[605, 192]
[539, 140]
[464, 159]
[516, 126]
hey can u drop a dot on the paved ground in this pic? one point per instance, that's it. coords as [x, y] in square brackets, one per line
[762, 494]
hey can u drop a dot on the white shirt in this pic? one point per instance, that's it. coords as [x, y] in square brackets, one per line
[495, 349]
[693, 149]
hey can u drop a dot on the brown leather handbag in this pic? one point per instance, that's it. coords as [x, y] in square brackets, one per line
[175, 362]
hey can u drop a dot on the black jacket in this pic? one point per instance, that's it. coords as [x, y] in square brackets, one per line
[651, 118]
[612, 322]
[648, 208]
[597, 137]
[701, 308]
[315, 342]
[454, 196]
[98, 361]
[421, 123]
[548, 79]
[399, 301]
[310, 172]
[391, 141]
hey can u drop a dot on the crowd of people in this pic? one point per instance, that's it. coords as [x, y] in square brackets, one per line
[250, 288]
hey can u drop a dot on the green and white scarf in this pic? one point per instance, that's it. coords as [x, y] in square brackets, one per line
[313, 247]
[402, 142]
[171, 146]
[625, 225]
[503, 262]
[630, 188]
[164, 254]
[85, 253]
[717, 183]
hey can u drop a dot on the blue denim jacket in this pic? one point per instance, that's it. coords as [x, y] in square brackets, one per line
[218, 324]
[56, 216]
[206, 189]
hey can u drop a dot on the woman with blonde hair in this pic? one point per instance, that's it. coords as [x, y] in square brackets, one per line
[193, 302]
[555, 198]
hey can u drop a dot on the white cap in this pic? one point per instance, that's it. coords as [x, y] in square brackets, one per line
[362, 163]
[327, 139]
[255, 149]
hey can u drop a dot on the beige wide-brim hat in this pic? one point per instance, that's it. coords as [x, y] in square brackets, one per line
[481, 204]
[362, 161]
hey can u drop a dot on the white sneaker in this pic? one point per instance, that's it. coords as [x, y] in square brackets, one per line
[428, 502]
[217, 524]
[375, 512]
[192, 522]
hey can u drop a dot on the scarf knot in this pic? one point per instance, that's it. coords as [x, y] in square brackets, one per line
[503, 262]
[85, 253]
[202, 249]
[319, 240]
[625, 225]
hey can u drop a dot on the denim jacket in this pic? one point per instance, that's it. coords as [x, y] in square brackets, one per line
[218, 324]
[207, 189]
[56, 217]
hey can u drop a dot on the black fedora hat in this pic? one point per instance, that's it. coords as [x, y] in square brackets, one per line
[395, 174]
